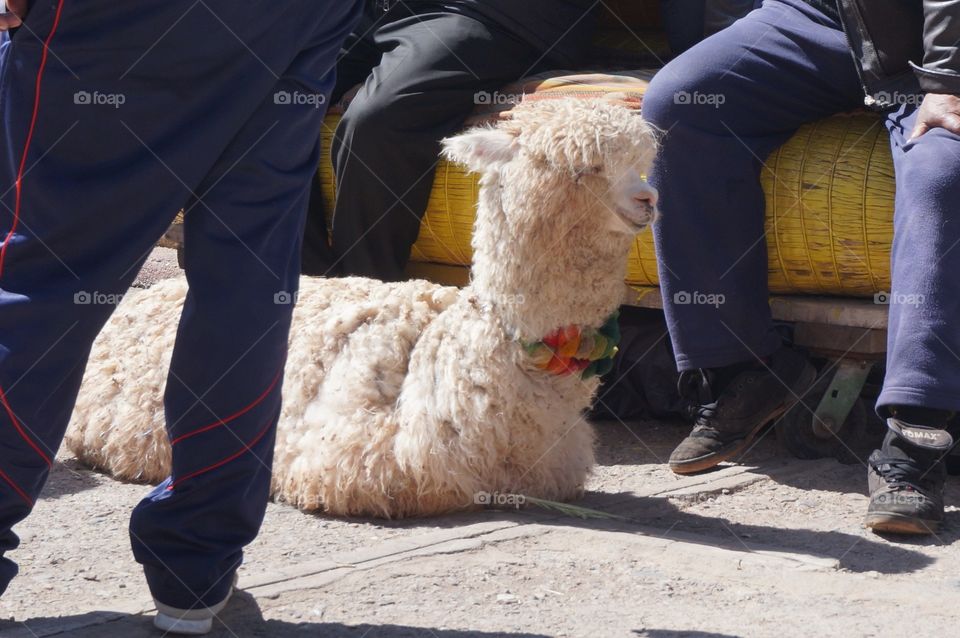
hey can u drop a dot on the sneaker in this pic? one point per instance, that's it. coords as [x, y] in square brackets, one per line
[730, 406]
[189, 622]
[906, 478]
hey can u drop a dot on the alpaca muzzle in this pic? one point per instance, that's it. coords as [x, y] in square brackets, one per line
[636, 201]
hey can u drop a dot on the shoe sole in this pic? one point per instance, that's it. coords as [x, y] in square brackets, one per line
[171, 621]
[901, 524]
[180, 627]
[710, 461]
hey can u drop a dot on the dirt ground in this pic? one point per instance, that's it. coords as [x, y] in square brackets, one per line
[771, 547]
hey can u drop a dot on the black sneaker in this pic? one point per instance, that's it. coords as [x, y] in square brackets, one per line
[730, 406]
[906, 478]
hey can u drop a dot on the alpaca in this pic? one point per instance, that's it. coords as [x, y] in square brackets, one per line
[415, 399]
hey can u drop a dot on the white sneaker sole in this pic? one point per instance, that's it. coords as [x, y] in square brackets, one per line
[181, 626]
[189, 622]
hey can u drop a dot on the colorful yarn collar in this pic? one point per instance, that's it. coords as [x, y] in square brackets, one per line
[573, 349]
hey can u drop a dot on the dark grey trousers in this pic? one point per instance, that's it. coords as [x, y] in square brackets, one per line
[422, 72]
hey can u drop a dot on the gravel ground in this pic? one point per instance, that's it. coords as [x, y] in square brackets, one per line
[161, 264]
[730, 568]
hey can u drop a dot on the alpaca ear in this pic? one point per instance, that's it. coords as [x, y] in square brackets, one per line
[480, 147]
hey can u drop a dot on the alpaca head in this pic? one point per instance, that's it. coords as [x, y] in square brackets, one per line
[562, 195]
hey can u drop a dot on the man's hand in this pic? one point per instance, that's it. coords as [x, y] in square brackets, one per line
[938, 110]
[13, 18]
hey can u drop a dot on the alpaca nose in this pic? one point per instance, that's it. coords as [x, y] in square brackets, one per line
[647, 194]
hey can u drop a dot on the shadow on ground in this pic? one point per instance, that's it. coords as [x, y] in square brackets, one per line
[640, 444]
[618, 445]
[69, 477]
[242, 619]
[678, 633]
[659, 518]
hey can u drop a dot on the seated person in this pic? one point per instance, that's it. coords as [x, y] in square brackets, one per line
[689, 21]
[785, 64]
[422, 64]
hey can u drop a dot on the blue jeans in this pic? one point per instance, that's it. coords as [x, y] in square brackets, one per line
[138, 111]
[783, 65]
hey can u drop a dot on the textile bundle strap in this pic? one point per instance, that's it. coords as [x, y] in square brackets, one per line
[573, 349]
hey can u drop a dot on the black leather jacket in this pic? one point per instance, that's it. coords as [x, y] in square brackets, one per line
[903, 47]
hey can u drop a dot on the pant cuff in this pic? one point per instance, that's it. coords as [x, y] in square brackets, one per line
[916, 398]
[722, 358]
[180, 601]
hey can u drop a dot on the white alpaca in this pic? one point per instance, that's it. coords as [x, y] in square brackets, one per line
[410, 399]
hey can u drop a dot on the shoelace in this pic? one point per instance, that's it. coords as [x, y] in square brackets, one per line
[901, 473]
[700, 406]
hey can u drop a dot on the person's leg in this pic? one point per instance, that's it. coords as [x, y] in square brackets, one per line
[922, 384]
[223, 391]
[387, 145]
[93, 170]
[724, 105]
[923, 349]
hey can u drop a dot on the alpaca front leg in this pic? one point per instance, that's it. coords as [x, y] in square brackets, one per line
[562, 471]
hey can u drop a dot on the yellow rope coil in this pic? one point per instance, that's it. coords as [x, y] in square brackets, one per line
[829, 220]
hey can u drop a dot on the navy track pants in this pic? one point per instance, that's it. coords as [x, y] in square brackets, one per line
[114, 117]
[725, 105]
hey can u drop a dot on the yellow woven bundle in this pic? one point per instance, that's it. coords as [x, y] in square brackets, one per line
[829, 211]
[829, 220]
